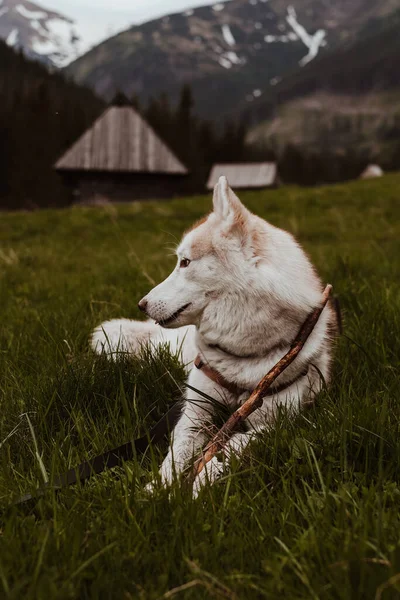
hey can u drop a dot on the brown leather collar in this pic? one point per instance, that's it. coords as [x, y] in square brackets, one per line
[219, 379]
[216, 376]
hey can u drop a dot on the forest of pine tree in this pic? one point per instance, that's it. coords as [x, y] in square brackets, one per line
[197, 143]
[41, 114]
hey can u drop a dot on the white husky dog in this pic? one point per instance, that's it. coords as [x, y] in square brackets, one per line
[233, 305]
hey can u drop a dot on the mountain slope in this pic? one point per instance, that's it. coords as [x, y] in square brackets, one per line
[346, 105]
[43, 34]
[367, 65]
[229, 52]
[358, 77]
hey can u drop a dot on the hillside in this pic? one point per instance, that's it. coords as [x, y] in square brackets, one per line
[312, 511]
[231, 52]
[41, 114]
[348, 97]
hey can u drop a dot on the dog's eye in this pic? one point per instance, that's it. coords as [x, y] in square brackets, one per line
[185, 262]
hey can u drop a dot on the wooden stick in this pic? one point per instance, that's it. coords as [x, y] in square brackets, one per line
[256, 399]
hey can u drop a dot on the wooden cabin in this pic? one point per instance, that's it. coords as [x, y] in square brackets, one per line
[245, 175]
[121, 158]
[371, 172]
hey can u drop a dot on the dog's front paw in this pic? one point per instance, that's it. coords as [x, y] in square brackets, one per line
[151, 487]
[110, 338]
[212, 471]
[156, 485]
[164, 480]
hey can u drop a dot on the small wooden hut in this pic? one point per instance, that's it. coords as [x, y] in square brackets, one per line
[121, 158]
[245, 175]
[371, 172]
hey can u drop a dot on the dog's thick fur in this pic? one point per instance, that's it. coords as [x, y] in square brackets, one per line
[247, 290]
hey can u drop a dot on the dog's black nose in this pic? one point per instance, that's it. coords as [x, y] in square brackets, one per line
[142, 305]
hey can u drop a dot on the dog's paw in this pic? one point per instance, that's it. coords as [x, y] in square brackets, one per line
[154, 486]
[151, 487]
[210, 473]
[108, 338]
[163, 480]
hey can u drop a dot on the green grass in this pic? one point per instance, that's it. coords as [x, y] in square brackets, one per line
[313, 510]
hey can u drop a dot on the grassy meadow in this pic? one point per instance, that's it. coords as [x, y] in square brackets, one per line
[312, 511]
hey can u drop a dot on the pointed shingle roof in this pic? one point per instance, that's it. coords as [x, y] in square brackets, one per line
[121, 141]
[244, 175]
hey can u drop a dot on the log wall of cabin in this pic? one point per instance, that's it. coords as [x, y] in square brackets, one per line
[92, 188]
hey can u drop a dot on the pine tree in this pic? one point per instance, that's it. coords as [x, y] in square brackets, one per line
[135, 102]
[41, 115]
[120, 99]
[185, 127]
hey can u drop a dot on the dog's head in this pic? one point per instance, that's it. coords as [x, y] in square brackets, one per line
[216, 257]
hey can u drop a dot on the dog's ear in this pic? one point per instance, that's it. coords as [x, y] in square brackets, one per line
[234, 216]
[227, 205]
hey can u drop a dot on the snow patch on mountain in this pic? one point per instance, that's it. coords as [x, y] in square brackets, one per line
[55, 40]
[12, 38]
[228, 59]
[275, 80]
[30, 14]
[41, 33]
[234, 58]
[227, 35]
[312, 42]
[224, 62]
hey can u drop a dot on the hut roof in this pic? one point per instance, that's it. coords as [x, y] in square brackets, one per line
[121, 141]
[244, 175]
[372, 171]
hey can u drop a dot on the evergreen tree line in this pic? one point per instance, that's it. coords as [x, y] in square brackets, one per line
[197, 142]
[337, 151]
[330, 159]
[302, 166]
[41, 115]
